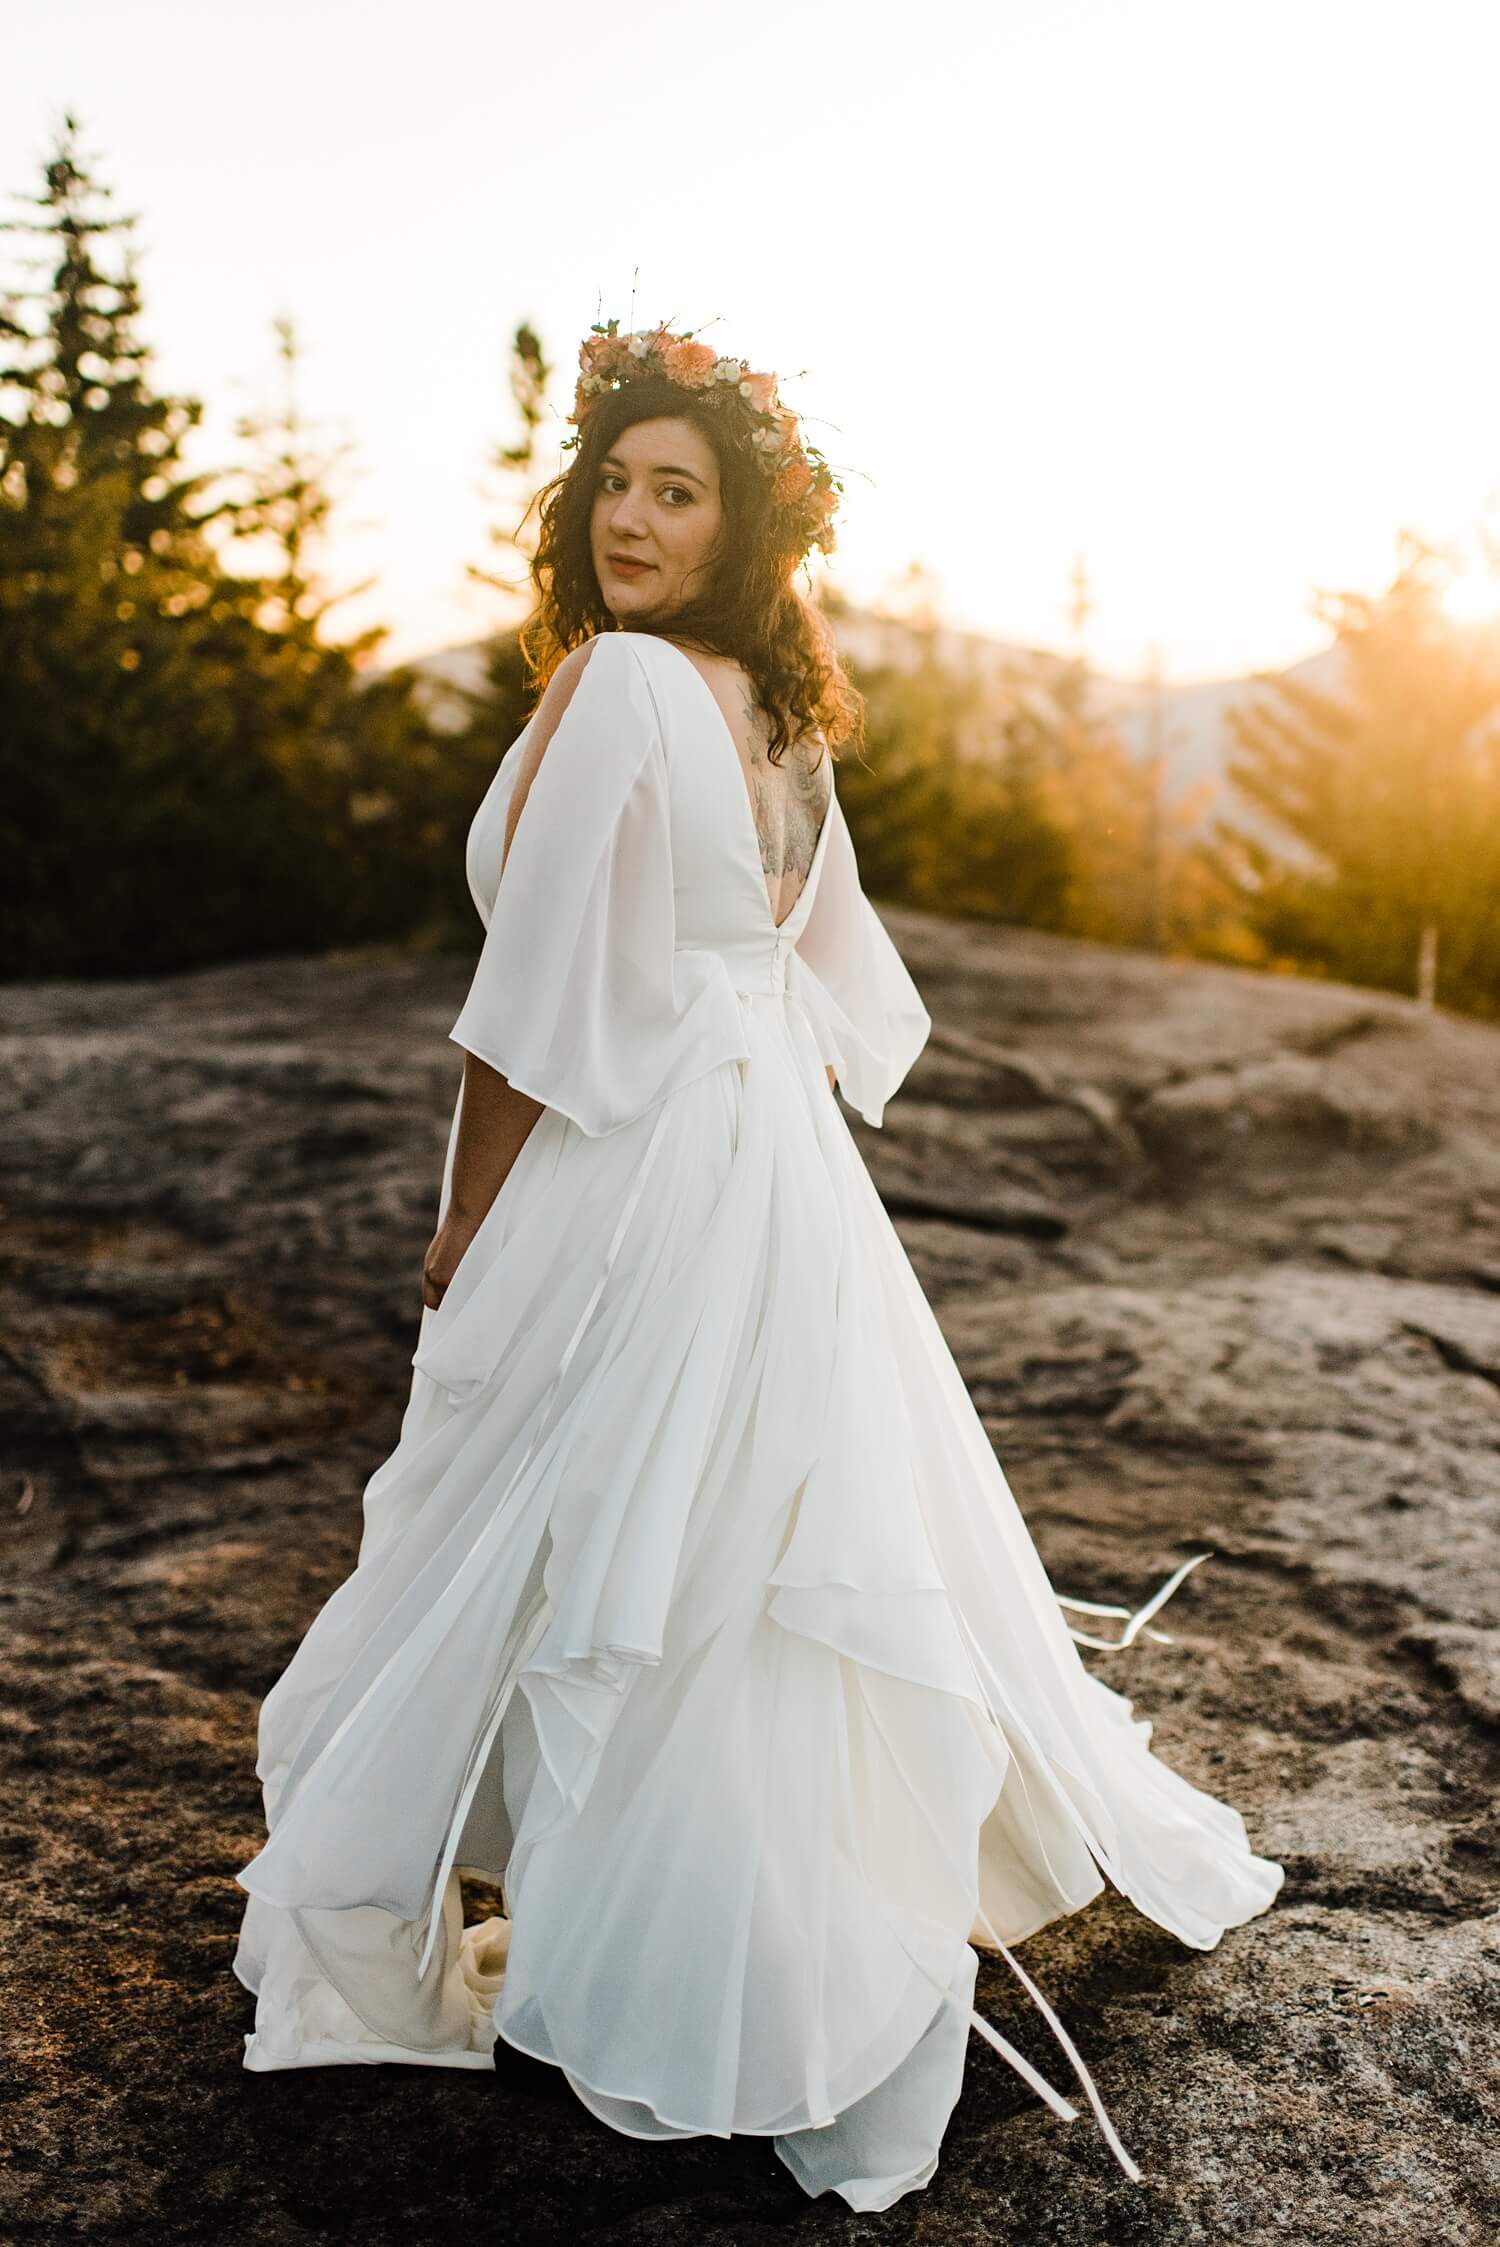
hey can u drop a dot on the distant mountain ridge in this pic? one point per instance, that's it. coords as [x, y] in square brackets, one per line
[1185, 723]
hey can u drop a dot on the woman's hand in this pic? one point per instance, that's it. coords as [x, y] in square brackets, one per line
[444, 1255]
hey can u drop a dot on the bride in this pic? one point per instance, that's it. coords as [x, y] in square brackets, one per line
[692, 1608]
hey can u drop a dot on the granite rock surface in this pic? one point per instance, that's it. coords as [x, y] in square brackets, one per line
[1219, 1257]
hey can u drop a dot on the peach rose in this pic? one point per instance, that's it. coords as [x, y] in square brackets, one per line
[791, 482]
[689, 362]
[760, 389]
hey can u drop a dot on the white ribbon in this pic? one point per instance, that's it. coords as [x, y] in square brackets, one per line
[1058, 2104]
[1136, 1622]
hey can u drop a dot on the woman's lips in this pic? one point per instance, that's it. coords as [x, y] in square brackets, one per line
[628, 569]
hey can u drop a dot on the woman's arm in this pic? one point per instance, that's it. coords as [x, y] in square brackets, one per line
[495, 1119]
[493, 1126]
[494, 1123]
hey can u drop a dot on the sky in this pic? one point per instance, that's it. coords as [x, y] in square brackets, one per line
[1198, 290]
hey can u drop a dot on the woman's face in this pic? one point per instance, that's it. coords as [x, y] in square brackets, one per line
[657, 505]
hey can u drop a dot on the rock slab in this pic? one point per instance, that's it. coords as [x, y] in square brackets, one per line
[1219, 1256]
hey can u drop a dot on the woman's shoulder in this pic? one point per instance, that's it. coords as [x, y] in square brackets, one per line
[605, 654]
[571, 667]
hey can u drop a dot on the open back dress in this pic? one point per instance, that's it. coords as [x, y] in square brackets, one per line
[693, 1608]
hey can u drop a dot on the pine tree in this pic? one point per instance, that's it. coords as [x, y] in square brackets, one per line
[362, 789]
[104, 561]
[898, 794]
[91, 436]
[1386, 796]
[500, 703]
[1125, 863]
[189, 769]
[280, 508]
[949, 813]
[516, 463]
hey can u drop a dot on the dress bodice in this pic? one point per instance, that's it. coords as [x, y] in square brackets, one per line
[719, 883]
[720, 900]
[633, 923]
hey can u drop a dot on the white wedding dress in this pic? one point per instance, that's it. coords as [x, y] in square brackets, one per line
[693, 1606]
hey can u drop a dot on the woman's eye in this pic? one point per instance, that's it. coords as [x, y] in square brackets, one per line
[611, 476]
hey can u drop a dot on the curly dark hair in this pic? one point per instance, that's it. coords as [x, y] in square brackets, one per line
[749, 610]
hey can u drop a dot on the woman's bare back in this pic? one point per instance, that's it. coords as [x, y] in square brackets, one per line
[788, 797]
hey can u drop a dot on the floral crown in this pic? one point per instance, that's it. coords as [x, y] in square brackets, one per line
[801, 479]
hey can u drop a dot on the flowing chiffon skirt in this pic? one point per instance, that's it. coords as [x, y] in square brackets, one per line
[694, 1609]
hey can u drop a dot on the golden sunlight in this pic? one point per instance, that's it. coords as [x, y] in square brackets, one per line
[1472, 595]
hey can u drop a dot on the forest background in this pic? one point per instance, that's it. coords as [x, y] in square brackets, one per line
[196, 767]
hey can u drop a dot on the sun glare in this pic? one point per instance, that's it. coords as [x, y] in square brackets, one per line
[1473, 596]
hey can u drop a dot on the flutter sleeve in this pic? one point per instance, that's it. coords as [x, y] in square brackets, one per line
[866, 1012]
[579, 997]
